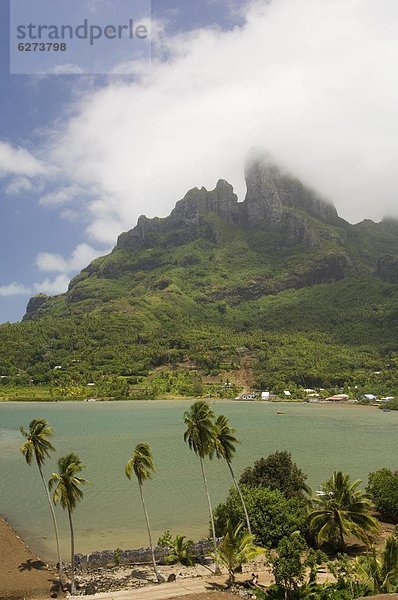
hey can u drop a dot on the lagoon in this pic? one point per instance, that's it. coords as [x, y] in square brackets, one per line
[322, 438]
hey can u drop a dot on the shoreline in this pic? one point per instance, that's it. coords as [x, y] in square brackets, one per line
[22, 573]
[187, 399]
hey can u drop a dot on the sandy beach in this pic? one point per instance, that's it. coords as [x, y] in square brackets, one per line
[22, 574]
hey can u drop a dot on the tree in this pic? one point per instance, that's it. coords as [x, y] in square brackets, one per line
[236, 549]
[38, 447]
[181, 550]
[272, 516]
[224, 447]
[67, 493]
[342, 509]
[380, 574]
[277, 472]
[288, 566]
[200, 435]
[142, 464]
[383, 488]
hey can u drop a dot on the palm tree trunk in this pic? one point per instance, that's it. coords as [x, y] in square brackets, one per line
[213, 529]
[72, 551]
[158, 576]
[341, 534]
[240, 496]
[54, 522]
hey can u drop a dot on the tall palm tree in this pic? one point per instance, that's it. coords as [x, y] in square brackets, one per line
[38, 447]
[343, 509]
[67, 492]
[224, 447]
[142, 464]
[200, 438]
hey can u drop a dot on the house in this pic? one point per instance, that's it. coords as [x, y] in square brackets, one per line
[247, 396]
[337, 398]
[369, 397]
[265, 395]
[287, 393]
[387, 399]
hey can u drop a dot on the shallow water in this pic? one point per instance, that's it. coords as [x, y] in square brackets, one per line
[322, 438]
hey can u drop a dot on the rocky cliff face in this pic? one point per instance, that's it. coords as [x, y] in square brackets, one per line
[274, 202]
[270, 192]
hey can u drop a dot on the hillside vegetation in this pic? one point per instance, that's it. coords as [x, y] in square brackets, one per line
[278, 285]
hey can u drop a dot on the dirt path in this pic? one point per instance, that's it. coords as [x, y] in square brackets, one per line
[22, 574]
[201, 588]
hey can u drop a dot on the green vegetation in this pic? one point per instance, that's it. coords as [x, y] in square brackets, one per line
[141, 463]
[67, 493]
[272, 516]
[288, 565]
[383, 489]
[380, 574]
[236, 549]
[224, 448]
[179, 315]
[181, 549]
[277, 472]
[199, 436]
[38, 447]
[342, 509]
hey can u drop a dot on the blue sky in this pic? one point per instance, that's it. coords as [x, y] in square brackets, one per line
[28, 106]
[81, 157]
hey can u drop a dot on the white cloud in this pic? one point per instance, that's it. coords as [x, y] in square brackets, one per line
[18, 186]
[14, 289]
[18, 161]
[61, 196]
[82, 255]
[59, 285]
[313, 82]
[66, 69]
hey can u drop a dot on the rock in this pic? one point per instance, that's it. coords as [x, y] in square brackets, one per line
[172, 577]
[270, 190]
[90, 589]
[34, 305]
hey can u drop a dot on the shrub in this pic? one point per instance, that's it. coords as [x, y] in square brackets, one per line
[272, 516]
[277, 472]
[383, 488]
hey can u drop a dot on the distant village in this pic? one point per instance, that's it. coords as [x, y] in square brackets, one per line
[314, 396]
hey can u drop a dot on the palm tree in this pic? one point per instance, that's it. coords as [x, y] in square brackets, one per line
[380, 574]
[224, 447]
[200, 435]
[181, 550]
[38, 446]
[142, 464]
[67, 492]
[236, 549]
[342, 509]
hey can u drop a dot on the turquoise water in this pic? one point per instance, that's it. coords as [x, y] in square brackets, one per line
[322, 438]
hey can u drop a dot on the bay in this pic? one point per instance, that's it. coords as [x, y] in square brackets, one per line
[322, 438]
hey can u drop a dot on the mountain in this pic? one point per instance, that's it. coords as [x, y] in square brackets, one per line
[278, 289]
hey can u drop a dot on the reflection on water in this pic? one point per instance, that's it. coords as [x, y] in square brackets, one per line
[321, 438]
